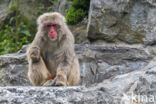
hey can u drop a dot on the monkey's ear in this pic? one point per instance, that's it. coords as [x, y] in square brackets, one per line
[42, 18]
[64, 20]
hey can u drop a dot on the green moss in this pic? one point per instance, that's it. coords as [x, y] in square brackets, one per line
[1, 72]
[97, 26]
[131, 36]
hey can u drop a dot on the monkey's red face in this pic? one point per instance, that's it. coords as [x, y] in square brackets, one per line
[51, 28]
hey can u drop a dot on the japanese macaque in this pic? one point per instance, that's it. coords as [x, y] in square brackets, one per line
[51, 56]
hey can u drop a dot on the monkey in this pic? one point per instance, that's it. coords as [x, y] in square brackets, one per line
[51, 55]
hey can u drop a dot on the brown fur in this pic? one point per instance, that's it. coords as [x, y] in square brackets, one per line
[56, 57]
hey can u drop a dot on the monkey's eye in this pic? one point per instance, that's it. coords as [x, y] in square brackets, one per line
[48, 25]
[54, 25]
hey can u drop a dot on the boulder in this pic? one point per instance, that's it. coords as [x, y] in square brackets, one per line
[127, 21]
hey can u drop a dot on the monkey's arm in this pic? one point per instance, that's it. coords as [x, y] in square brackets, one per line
[38, 73]
[33, 51]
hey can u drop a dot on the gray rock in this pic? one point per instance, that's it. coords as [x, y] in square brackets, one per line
[129, 21]
[97, 63]
[13, 70]
[62, 6]
[3, 10]
[80, 32]
[130, 88]
[51, 95]
[109, 75]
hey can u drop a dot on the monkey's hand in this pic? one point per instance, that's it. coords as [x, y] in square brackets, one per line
[34, 54]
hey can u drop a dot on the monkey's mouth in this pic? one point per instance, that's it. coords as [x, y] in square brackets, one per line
[52, 35]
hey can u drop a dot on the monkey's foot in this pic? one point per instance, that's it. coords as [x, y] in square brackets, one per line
[54, 83]
[60, 83]
[49, 83]
[60, 79]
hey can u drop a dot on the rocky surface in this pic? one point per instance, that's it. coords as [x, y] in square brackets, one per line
[109, 75]
[128, 21]
[51, 95]
[80, 32]
[97, 63]
[131, 88]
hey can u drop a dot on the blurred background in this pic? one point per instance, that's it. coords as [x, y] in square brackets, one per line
[118, 22]
[18, 19]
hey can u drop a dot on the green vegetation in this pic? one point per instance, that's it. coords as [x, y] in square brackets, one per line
[77, 11]
[15, 34]
[15, 31]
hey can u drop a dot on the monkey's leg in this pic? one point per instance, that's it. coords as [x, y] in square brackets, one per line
[38, 73]
[61, 76]
[74, 73]
[59, 80]
[64, 69]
